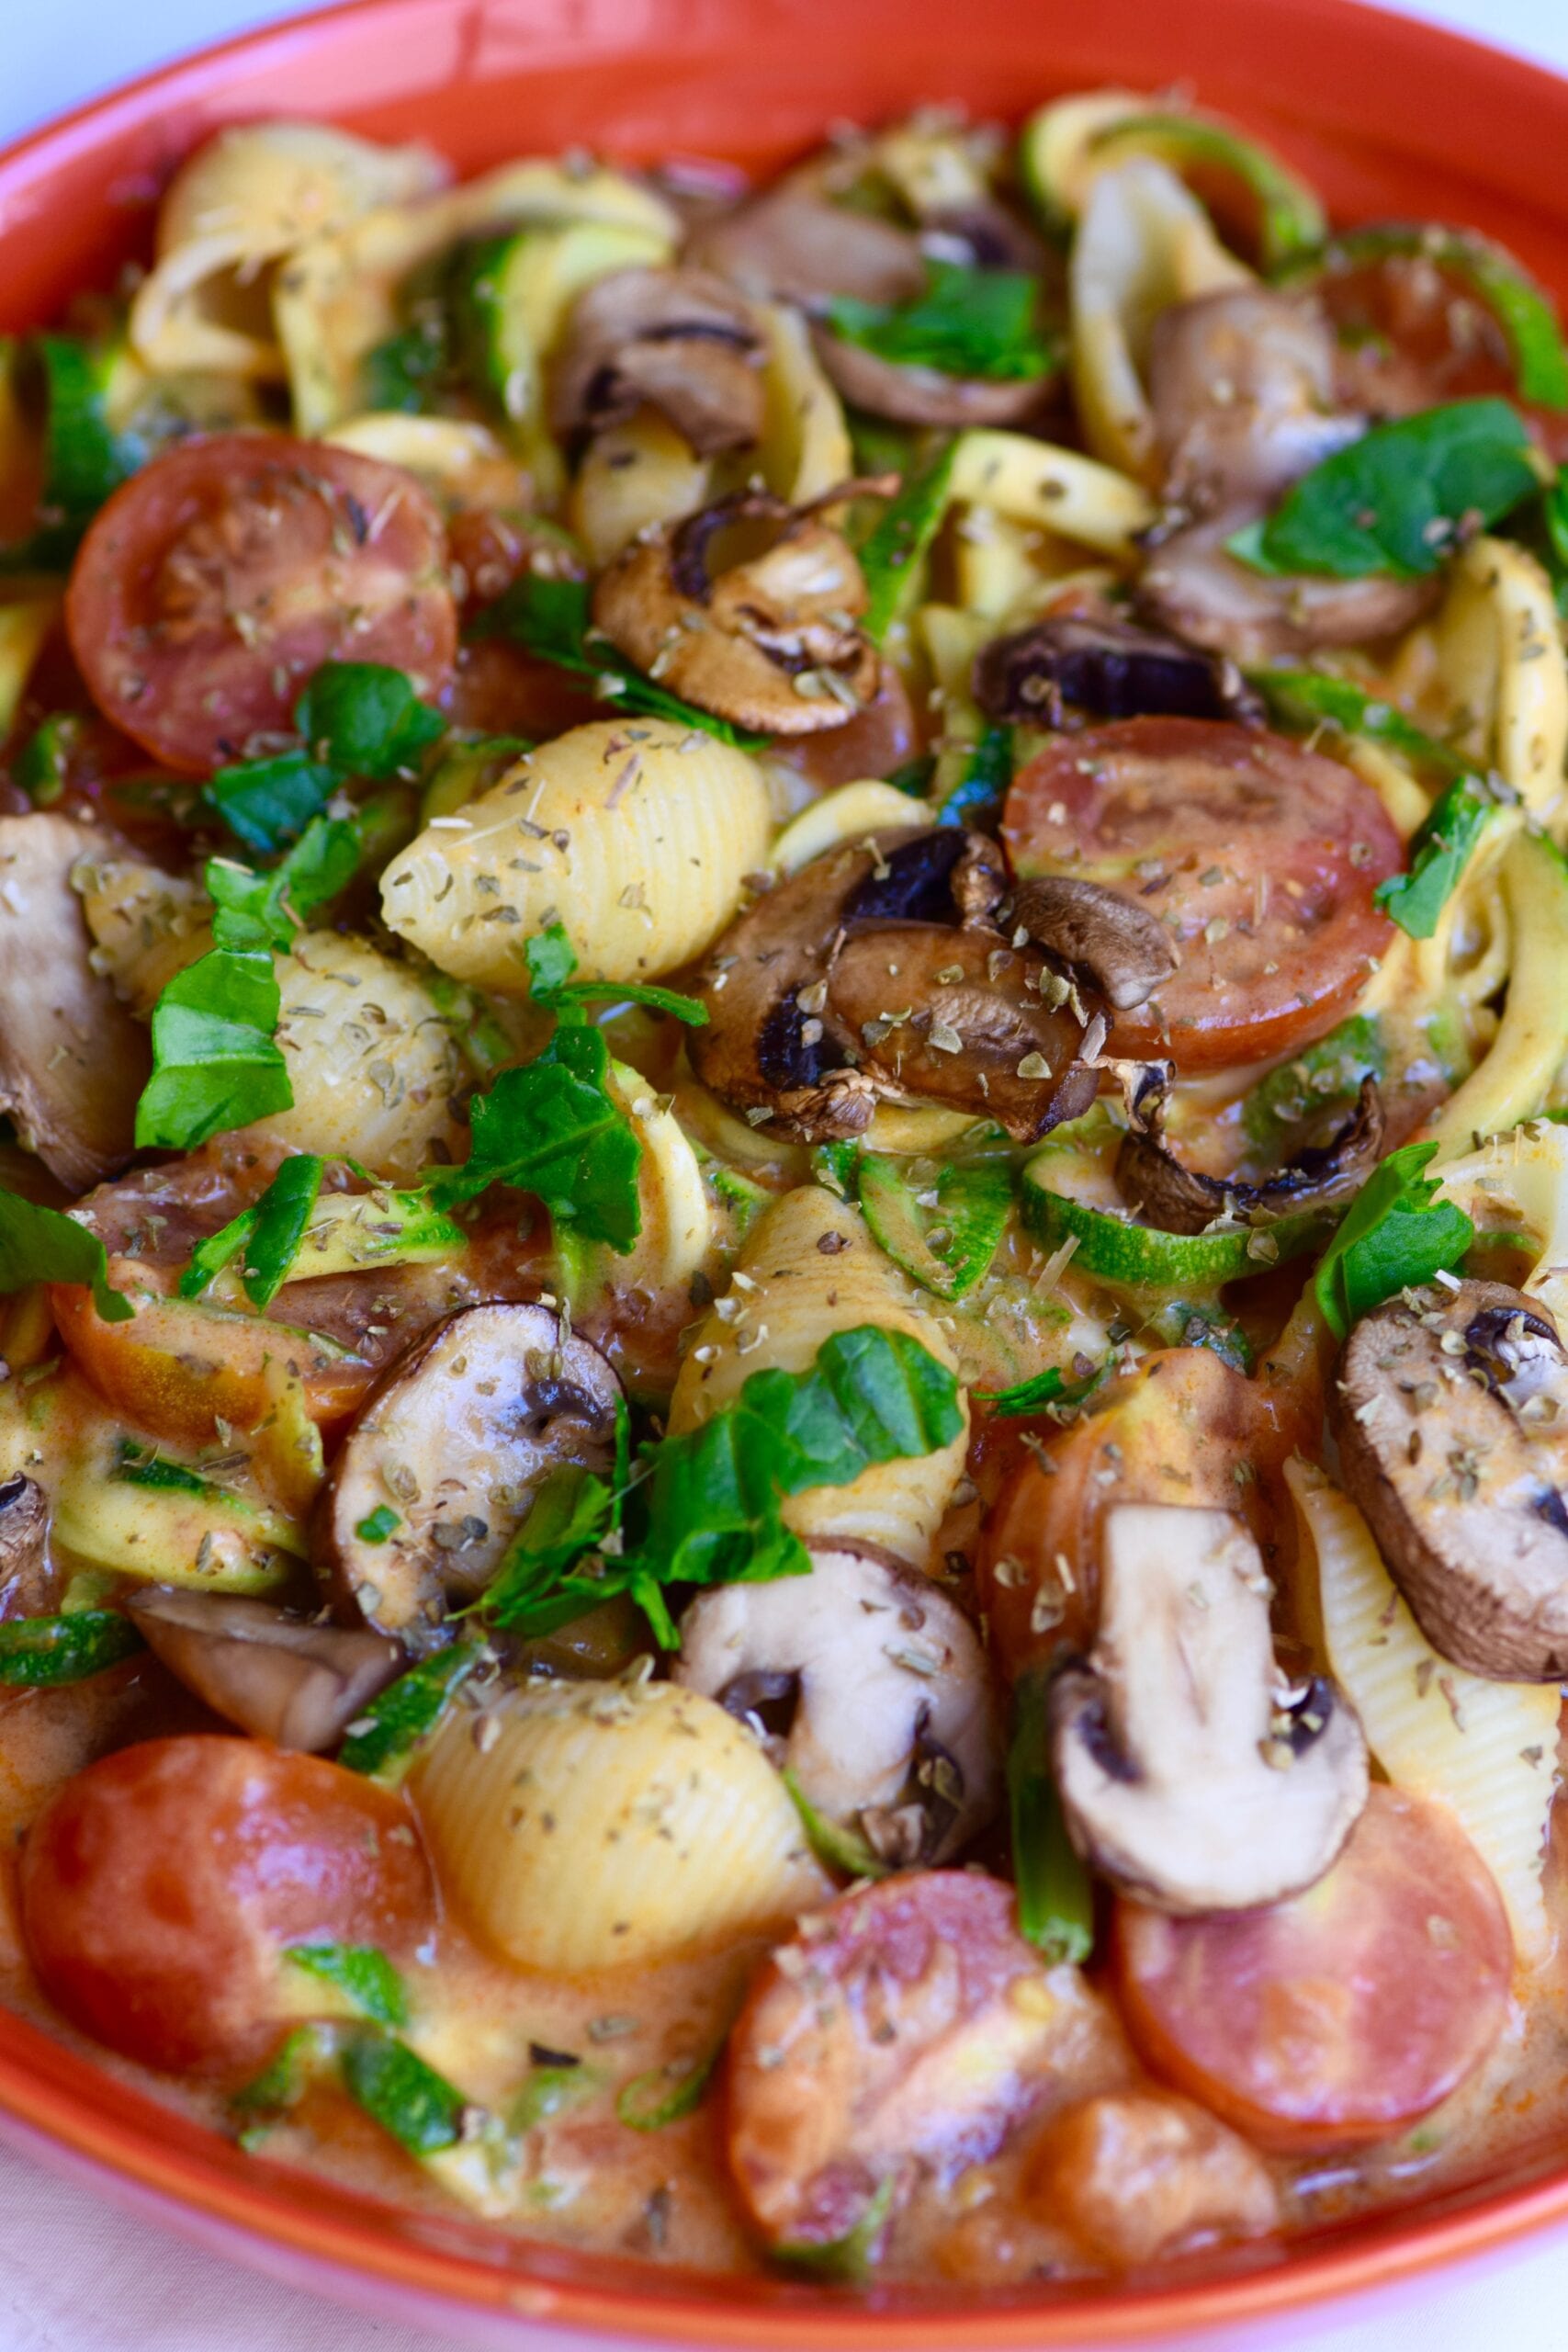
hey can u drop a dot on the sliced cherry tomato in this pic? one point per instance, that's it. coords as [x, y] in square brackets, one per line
[216, 580]
[908, 2023]
[1259, 856]
[1344, 2014]
[1184, 1428]
[160, 1886]
[498, 689]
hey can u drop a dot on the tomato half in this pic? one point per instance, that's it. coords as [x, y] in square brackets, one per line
[216, 580]
[1261, 857]
[1344, 2014]
[160, 1887]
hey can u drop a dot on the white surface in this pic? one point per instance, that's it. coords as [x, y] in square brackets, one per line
[77, 2277]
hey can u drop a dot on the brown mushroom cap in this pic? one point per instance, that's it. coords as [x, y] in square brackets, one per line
[1451, 1417]
[1177, 1198]
[1193, 585]
[279, 1678]
[454, 1441]
[1122, 950]
[1097, 666]
[73, 1062]
[915, 395]
[799, 992]
[678, 339]
[771, 643]
[24, 1579]
[793, 245]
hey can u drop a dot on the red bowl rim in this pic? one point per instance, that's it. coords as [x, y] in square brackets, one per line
[52, 2098]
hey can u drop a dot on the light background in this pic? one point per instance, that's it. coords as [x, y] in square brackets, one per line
[76, 2276]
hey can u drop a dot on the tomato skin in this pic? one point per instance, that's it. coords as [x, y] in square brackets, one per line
[1343, 2015]
[1275, 944]
[218, 578]
[160, 1885]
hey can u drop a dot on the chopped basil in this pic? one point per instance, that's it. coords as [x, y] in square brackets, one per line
[552, 959]
[269, 802]
[550, 618]
[976, 323]
[398, 2090]
[282, 2083]
[362, 1975]
[134, 1469]
[891, 559]
[216, 1061]
[363, 719]
[1399, 501]
[40, 767]
[86, 460]
[254, 910]
[1048, 1392]
[269, 1232]
[1056, 1899]
[382, 1741]
[1439, 851]
[37, 1652]
[535, 1590]
[39, 1244]
[377, 1524]
[1397, 1236]
[553, 1128]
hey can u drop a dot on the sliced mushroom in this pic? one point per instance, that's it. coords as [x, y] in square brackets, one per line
[914, 395]
[1451, 1410]
[1177, 1198]
[801, 989]
[1187, 1777]
[25, 1582]
[771, 643]
[793, 245]
[449, 1451]
[1193, 585]
[677, 339]
[1118, 947]
[888, 1722]
[1072, 665]
[73, 1062]
[279, 1678]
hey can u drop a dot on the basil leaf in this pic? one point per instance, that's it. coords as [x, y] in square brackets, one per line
[966, 323]
[418, 2107]
[1398, 501]
[282, 2083]
[550, 618]
[361, 1974]
[1439, 851]
[269, 802]
[552, 1128]
[711, 1500]
[1303, 699]
[40, 1653]
[363, 719]
[1048, 1391]
[535, 1590]
[85, 458]
[270, 1233]
[39, 1244]
[43, 762]
[1397, 1236]
[377, 1524]
[1056, 1899]
[382, 1741]
[216, 1062]
[891, 557]
[551, 960]
[254, 909]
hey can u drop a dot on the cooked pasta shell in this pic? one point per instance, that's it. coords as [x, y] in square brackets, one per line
[1050, 489]
[23, 628]
[1142, 243]
[146, 924]
[1061, 144]
[677, 1234]
[633, 834]
[336, 297]
[810, 1268]
[1516, 1184]
[251, 194]
[634, 475]
[1523, 1065]
[461, 463]
[1487, 1750]
[806, 442]
[1500, 658]
[595, 1824]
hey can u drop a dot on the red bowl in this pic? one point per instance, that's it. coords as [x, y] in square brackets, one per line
[1387, 118]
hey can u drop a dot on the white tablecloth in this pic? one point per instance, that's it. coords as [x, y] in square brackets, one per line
[77, 2276]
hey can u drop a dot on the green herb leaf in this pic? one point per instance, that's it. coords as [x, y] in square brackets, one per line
[40, 1652]
[216, 1062]
[1303, 699]
[39, 1244]
[383, 1740]
[891, 557]
[253, 911]
[377, 1524]
[267, 803]
[270, 1232]
[1398, 502]
[1439, 851]
[1056, 1899]
[86, 458]
[361, 1974]
[666, 2093]
[363, 719]
[41, 764]
[833, 1842]
[1397, 1236]
[282, 2083]
[551, 960]
[550, 2087]
[535, 1591]
[976, 323]
[550, 618]
[418, 2107]
[552, 1128]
